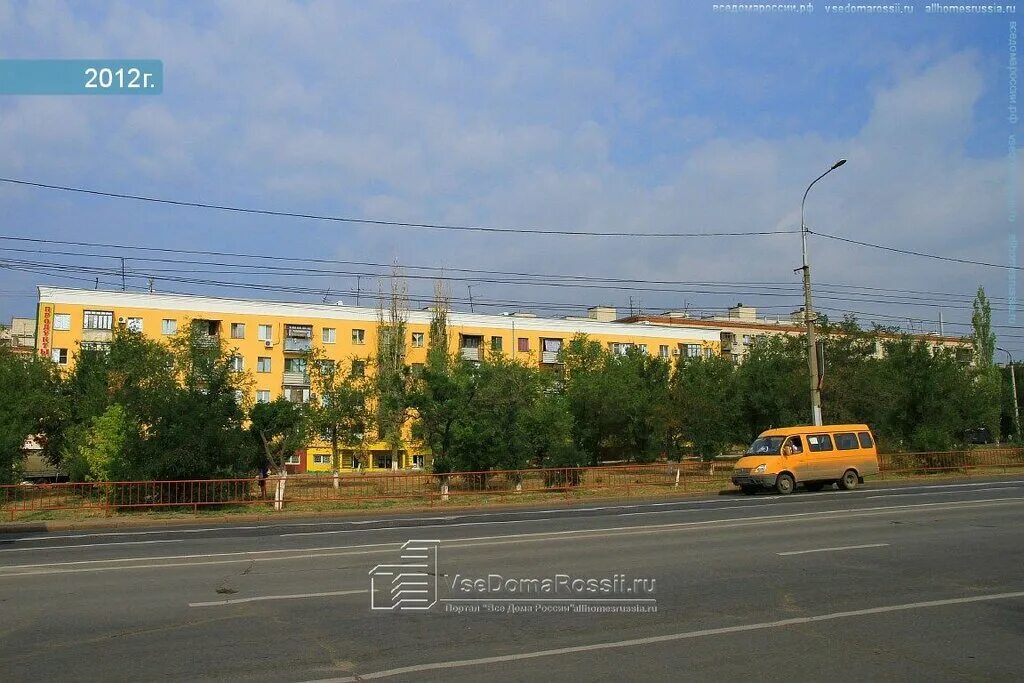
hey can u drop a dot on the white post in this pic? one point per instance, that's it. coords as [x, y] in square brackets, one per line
[677, 477]
[279, 489]
[336, 477]
[444, 493]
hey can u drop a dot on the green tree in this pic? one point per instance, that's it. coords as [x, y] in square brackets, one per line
[280, 428]
[618, 402]
[29, 405]
[183, 397]
[982, 337]
[704, 404]
[341, 409]
[99, 453]
[439, 395]
[391, 378]
[772, 383]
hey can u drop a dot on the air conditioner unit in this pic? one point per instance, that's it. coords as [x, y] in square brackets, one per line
[121, 320]
[268, 344]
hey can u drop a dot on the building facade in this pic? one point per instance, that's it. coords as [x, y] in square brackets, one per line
[741, 328]
[19, 336]
[270, 341]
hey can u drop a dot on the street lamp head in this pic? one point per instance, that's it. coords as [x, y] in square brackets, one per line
[837, 164]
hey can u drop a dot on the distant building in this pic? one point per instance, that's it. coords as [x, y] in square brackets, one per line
[740, 328]
[20, 335]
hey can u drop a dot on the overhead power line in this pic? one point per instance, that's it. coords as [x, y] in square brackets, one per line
[911, 252]
[380, 222]
[442, 272]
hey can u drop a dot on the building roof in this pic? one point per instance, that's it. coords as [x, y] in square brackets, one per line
[739, 324]
[188, 303]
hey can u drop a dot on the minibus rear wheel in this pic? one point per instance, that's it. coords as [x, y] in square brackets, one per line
[849, 480]
[784, 484]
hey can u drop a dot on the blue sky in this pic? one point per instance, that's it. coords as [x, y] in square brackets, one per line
[643, 117]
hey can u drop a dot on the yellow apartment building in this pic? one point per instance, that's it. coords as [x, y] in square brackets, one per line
[270, 341]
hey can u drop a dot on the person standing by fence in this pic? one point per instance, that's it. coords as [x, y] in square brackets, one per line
[264, 473]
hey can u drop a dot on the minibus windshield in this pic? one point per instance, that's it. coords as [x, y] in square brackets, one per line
[766, 445]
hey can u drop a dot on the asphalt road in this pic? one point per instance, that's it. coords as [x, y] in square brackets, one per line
[919, 582]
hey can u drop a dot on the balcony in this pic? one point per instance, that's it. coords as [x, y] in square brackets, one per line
[470, 353]
[296, 379]
[207, 341]
[297, 345]
[549, 350]
[97, 335]
[298, 338]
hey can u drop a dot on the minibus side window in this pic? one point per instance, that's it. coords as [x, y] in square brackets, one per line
[819, 442]
[846, 441]
[865, 439]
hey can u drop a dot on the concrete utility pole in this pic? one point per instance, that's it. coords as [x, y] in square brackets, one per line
[812, 352]
[1013, 387]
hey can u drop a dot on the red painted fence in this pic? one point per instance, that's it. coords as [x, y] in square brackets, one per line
[108, 497]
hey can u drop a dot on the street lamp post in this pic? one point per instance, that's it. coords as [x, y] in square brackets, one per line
[812, 354]
[1013, 387]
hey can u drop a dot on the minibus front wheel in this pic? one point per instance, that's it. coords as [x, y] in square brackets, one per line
[784, 484]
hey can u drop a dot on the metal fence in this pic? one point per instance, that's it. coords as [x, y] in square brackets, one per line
[428, 489]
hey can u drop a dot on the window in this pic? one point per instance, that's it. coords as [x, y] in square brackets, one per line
[417, 461]
[62, 321]
[819, 442]
[238, 330]
[168, 326]
[358, 336]
[265, 333]
[708, 352]
[693, 350]
[642, 347]
[865, 439]
[847, 441]
[262, 396]
[59, 356]
[239, 395]
[792, 446]
[329, 335]
[134, 324]
[524, 344]
[326, 367]
[237, 363]
[291, 460]
[663, 351]
[496, 343]
[295, 365]
[98, 320]
[417, 339]
[747, 339]
[358, 368]
[322, 459]
[263, 364]
[620, 348]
